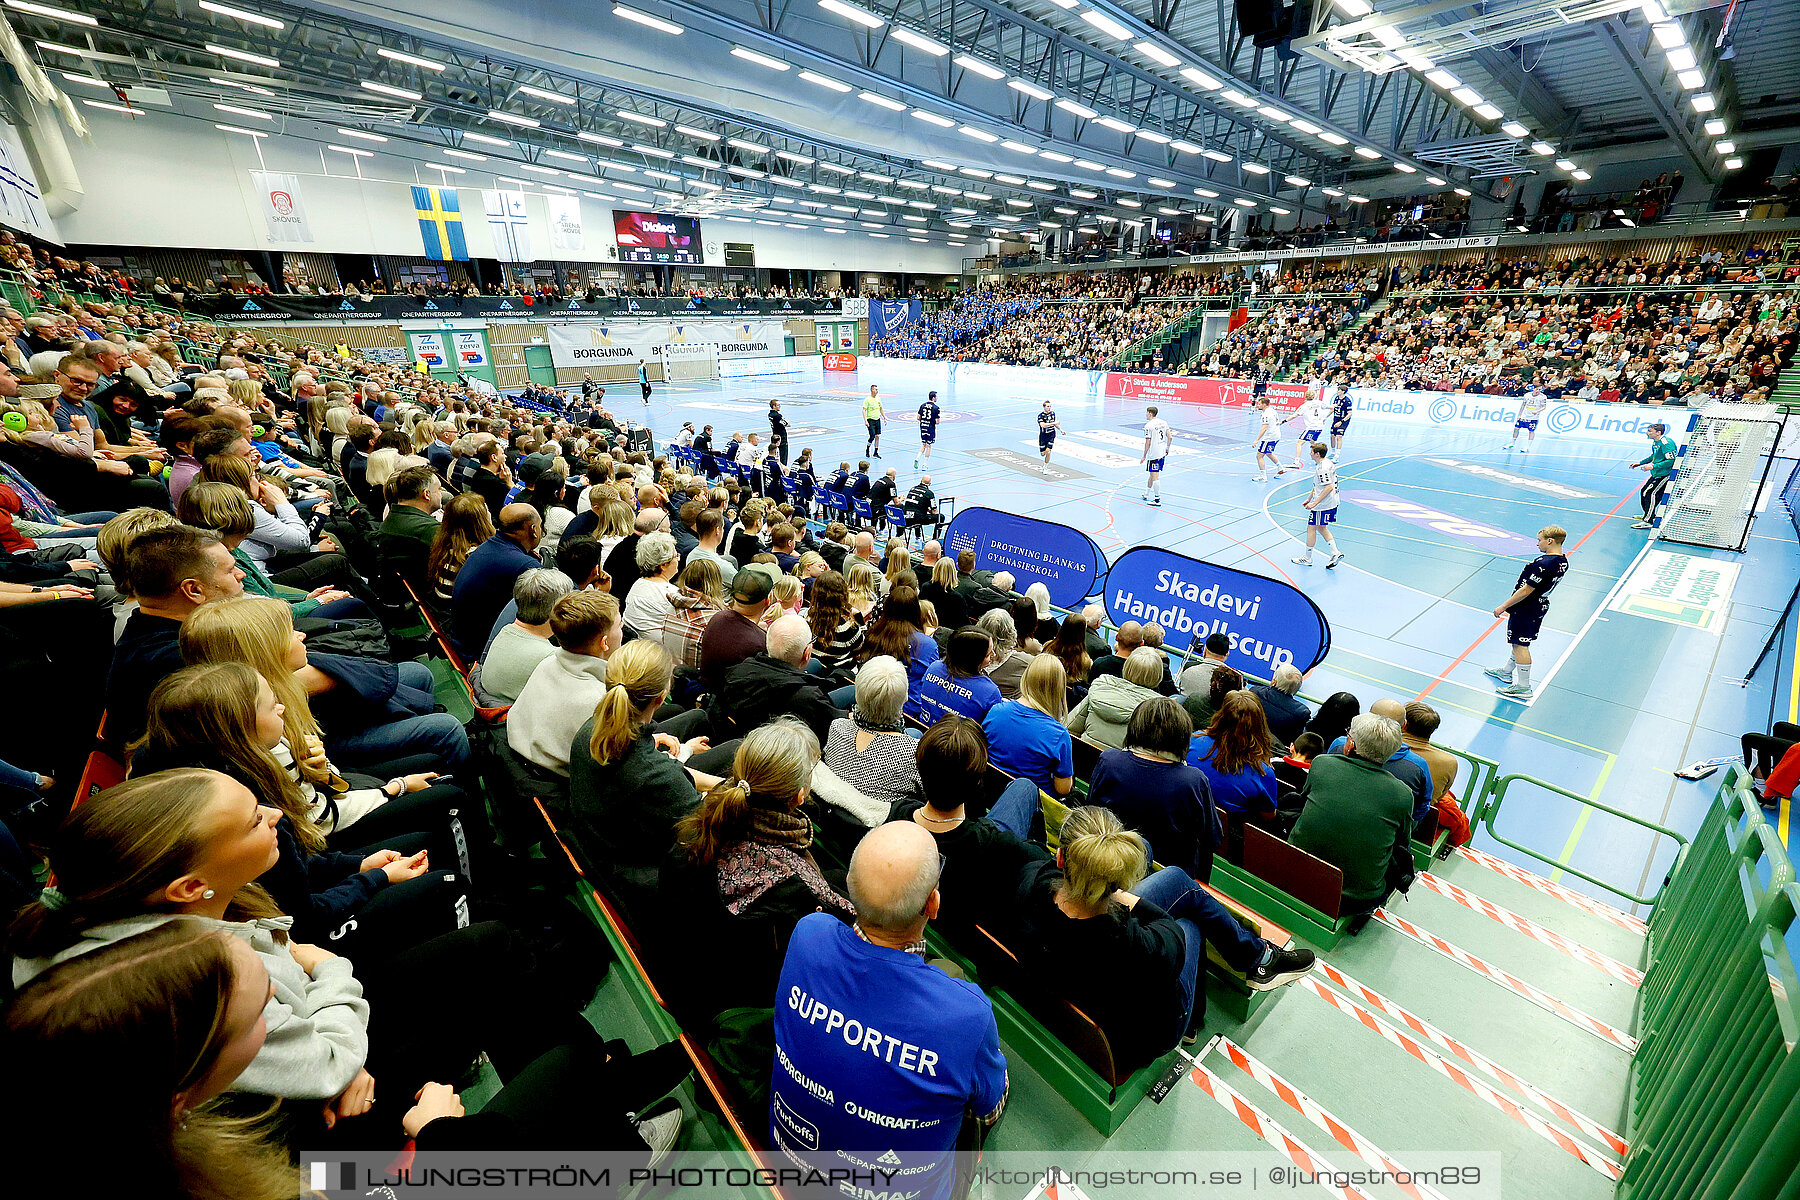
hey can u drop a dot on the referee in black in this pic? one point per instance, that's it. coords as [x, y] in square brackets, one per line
[778, 430]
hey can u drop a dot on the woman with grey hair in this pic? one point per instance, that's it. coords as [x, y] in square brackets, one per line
[1009, 661]
[1105, 712]
[653, 596]
[520, 646]
[870, 749]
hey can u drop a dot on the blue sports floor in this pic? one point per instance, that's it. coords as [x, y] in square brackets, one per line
[1621, 699]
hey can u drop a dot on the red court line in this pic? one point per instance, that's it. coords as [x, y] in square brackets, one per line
[1445, 673]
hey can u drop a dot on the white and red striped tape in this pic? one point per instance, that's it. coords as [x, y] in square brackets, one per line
[1449, 1070]
[1264, 1127]
[1479, 1061]
[1345, 1136]
[1531, 929]
[1536, 882]
[1511, 983]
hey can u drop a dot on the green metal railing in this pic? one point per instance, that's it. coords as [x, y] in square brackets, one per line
[1488, 811]
[1714, 1102]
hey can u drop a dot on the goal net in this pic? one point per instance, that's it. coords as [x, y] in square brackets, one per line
[690, 361]
[1715, 493]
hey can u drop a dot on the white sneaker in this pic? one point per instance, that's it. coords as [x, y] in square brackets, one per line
[660, 1133]
[1524, 449]
[1503, 674]
[1642, 525]
[1304, 560]
[1333, 561]
[1513, 691]
[1260, 478]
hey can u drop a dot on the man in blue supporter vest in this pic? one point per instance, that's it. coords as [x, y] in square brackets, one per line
[878, 1054]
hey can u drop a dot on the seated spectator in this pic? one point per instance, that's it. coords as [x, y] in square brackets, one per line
[1405, 765]
[629, 784]
[653, 595]
[375, 890]
[622, 561]
[1154, 790]
[1420, 723]
[899, 633]
[873, 975]
[771, 683]
[1291, 769]
[1129, 637]
[1104, 713]
[1286, 712]
[522, 644]
[1220, 682]
[941, 592]
[1332, 721]
[837, 635]
[171, 571]
[1195, 676]
[870, 749]
[466, 525]
[565, 687]
[442, 1001]
[864, 586]
[1069, 644]
[981, 856]
[1356, 815]
[1140, 941]
[1026, 737]
[742, 874]
[955, 683]
[368, 712]
[736, 632]
[403, 543]
[1095, 616]
[225, 511]
[1008, 671]
[485, 582]
[1234, 754]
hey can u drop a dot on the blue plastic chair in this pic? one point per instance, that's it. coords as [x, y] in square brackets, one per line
[864, 512]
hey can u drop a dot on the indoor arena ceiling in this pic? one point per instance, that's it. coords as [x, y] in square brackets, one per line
[959, 118]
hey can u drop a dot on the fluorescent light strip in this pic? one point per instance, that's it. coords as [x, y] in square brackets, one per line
[506, 118]
[920, 42]
[467, 155]
[255, 133]
[980, 135]
[545, 94]
[599, 139]
[89, 80]
[367, 137]
[643, 18]
[883, 101]
[825, 81]
[652, 151]
[244, 112]
[986, 70]
[397, 93]
[1156, 54]
[852, 13]
[1106, 25]
[222, 51]
[352, 151]
[59, 14]
[933, 118]
[109, 107]
[485, 140]
[1079, 110]
[241, 15]
[761, 60]
[698, 134]
[412, 60]
[640, 119]
[1030, 89]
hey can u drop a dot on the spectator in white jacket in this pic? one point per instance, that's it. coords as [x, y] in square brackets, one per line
[563, 690]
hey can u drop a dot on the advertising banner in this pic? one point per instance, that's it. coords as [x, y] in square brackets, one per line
[657, 237]
[824, 332]
[284, 214]
[597, 345]
[749, 339]
[430, 347]
[1064, 560]
[471, 348]
[1270, 623]
[276, 309]
[21, 204]
[1461, 412]
[840, 362]
[885, 316]
[1184, 389]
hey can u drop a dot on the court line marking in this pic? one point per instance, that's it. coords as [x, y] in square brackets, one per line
[1594, 616]
[1581, 820]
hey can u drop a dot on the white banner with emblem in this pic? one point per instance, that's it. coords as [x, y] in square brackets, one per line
[598, 345]
[284, 213]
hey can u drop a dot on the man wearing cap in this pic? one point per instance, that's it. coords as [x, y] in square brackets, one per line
[734, 634]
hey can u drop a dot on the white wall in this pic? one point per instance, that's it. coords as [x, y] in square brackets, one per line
[169, 180]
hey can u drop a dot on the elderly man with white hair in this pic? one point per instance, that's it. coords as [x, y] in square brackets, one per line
[859, 1012]
[1356, 815]
[773, 682]
[1287, 713]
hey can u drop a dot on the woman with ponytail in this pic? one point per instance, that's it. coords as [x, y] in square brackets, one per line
[366, 898]
[742, 871]
[629, 780]
[1140, 942]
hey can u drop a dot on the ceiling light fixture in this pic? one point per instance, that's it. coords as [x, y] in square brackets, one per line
[703, 135]
[1406, 168]
[644, 18]
[255, 133]
[506, 118]
[1201, 79]
[1156, 54]
[1514, 130]
[222, 51]
[545, 94]
[1487, 112]
[1704, 102]
[850, 12]
[397, 92]
[468, 155]
[1435, 181]
[919, 41]
[1079, 110]
[825, 81]
[934, 119]
[58, 14]
[1297, 180]
[1544, 149]
[1336, 139]
[241, 15]
[980, 135]
[411, 60]
[351, 150]
[1106, 25]
[1714, 127]
[761, 60]
[244, 112]
[1216, 155]
[597, 138]
[1116, 125]
[1030, 89]
[883, 101]
[1367, 152]
[640, 119]
[357, 133]
[986, 70]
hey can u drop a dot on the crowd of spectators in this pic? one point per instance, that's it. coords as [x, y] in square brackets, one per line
[994, 327]
[722, 705]
[1276, 339]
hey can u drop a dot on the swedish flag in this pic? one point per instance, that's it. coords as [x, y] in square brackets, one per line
[440, 223]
